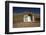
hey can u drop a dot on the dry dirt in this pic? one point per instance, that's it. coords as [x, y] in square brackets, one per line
[26, 24]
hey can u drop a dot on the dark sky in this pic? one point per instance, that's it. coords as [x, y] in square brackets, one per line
[23, 9]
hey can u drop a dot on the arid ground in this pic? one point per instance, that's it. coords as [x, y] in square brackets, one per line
[26, 24]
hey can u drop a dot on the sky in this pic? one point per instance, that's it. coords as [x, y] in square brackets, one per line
[23, 9]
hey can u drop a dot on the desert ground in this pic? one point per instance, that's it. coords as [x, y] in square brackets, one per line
[26, 24]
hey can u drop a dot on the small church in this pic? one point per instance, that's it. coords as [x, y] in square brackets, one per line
[26, 17]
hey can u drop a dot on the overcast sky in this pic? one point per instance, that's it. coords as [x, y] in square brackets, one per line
[23, 9]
